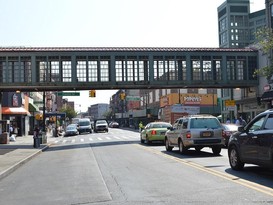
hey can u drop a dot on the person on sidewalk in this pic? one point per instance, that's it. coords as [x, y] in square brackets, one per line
[240, 121]
[10, 130]
[36, 136]
[141, 126]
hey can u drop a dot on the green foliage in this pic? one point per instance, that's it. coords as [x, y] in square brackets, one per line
[70, 112]
[108, 114]
[264, 37]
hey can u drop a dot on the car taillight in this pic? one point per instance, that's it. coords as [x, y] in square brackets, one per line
[153, 132]
[188, 135]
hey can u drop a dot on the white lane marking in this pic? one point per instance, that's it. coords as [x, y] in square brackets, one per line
[99, 138]
[82, 140]
[108, 138]
[117, 138]
[73, 141]
[90, 139]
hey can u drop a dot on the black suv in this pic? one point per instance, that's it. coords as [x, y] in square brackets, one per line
[253, 144]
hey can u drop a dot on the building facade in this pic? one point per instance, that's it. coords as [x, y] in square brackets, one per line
[236, 29]
[98, 111]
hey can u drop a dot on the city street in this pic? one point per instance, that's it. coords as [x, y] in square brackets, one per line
[114, 168]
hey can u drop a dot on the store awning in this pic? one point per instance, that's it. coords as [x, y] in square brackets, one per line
[267, 96]
[14, 111]
[32, 107]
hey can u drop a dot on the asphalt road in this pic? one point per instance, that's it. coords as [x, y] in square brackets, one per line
[114, 168]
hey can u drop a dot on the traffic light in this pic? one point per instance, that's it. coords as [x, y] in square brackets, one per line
[92, 93]
[39, 117]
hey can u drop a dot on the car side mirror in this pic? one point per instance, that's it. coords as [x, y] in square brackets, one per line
[241, 129]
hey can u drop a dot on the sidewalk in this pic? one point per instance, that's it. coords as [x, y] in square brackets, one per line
[15, 154]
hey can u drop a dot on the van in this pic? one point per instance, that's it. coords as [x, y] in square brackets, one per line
[84, 125]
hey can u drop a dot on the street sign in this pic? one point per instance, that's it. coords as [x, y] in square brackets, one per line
[230, 103]
[132, 98]
[230, 108]
[68, 94]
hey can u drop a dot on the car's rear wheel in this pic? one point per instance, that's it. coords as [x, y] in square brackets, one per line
[182, 148]
[167, 146]
[216, 150]
[234, 159]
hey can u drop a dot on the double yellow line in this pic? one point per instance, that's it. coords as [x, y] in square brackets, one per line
[229, 177]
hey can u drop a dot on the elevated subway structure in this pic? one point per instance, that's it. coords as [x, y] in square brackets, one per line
[102, 68]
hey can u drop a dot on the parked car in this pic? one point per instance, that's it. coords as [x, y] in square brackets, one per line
[71, 130]
[101, 125]
[114, 124]
[253, 144]
[229, 129]
[154, 131]
[196, 131]
[84, 125]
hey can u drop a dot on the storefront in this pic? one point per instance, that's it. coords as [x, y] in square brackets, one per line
[14, 112]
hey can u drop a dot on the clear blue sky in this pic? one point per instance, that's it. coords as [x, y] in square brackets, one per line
[139, 23]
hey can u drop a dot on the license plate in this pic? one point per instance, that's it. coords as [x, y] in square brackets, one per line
[206, 134]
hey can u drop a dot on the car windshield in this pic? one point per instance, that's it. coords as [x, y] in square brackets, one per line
[205, 123]
[70, 127]
[163, 125]
[84, 123]
[101, 122]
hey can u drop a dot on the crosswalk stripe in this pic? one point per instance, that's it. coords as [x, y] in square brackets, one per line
[81, 139]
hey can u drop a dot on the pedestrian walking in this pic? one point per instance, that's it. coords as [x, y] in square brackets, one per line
[140, 125]
[10, 130]
[240, 121]
[228, 121]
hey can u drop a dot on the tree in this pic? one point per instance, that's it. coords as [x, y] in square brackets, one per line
[70, 112]
[264, 37]
[108, 115]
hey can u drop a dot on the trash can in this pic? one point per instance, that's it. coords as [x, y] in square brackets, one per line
[36, 142]
[4, 138]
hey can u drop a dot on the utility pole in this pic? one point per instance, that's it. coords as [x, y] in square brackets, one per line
[44, 118]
